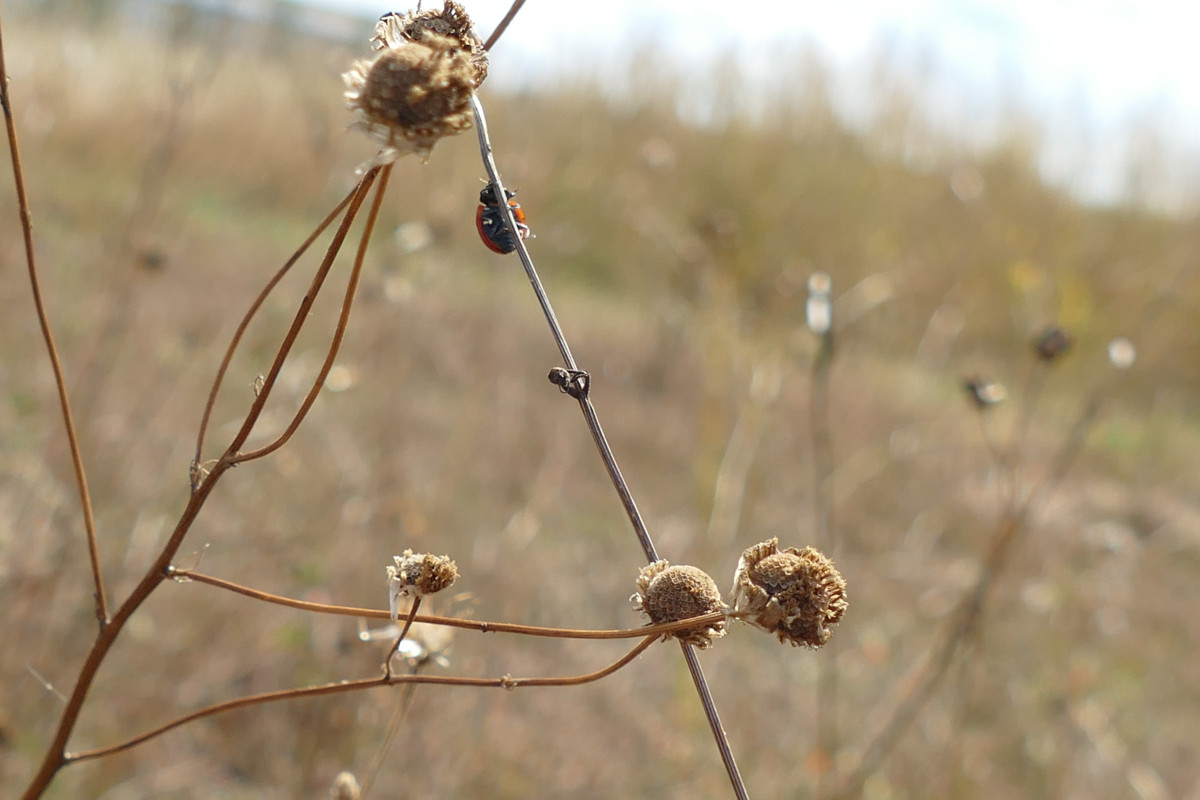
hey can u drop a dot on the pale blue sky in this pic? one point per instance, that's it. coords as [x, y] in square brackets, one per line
[1089, 70]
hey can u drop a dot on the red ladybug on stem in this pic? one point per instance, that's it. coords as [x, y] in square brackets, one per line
[490, 222]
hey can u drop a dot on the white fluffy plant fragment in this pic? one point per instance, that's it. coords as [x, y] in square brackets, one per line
[417, 87]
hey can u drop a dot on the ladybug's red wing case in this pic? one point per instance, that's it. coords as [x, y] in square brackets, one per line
[490, 222]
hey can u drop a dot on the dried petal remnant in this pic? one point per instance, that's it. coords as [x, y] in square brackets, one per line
[418, 86]
[669, 594]
[418, 574]
[796, 594]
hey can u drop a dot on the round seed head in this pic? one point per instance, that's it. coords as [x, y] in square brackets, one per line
[669, 594]
[796, 594]
[418, 86]
[1052, 343]
[418, 574]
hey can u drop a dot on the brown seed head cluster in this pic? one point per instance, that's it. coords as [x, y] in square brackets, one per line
[669, 594]
[418, 574]
[797, 594]
[418, 86]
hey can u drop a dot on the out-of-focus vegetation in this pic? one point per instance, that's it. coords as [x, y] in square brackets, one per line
[172, 171]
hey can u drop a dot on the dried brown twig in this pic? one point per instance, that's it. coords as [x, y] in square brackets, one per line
[60, 381]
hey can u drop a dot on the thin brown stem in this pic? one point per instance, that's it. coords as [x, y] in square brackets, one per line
[339, 333]
[340, 687]
[184, 576]
[55, 756]
[503, 25]
[820, 429]
[300, 318]
[250, 314]
[60, 381]
[412, 613]
[403, 703]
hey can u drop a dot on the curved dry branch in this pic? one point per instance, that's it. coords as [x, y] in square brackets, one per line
[60, 381]
[250, 314]
[339, 333]
[340, 687]
[481, 626]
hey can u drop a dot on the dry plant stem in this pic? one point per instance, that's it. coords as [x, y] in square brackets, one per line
[339, 333]
[1034, 384]
[412, 613]
[160, 570]
[453, 622]
[822, 477]
[505, 682]
[970, 608]
[60, 381]
[602, 446]
[403, 703]
[232, 453]
[254, 307]
[503, 26]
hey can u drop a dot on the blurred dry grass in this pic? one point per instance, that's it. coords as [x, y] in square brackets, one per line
[676, 256]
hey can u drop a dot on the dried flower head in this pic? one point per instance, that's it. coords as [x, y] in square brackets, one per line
[418, 574]
[669, 594]
[796, 594]
[418, 86]
[1052, 343]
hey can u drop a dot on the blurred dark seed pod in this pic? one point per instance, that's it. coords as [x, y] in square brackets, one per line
[1052, 343]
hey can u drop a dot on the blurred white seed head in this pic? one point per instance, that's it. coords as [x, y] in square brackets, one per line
[669, 594]
[418, 86]
[1121, 353]
[818, 311]
[345, 787]
[417, 575]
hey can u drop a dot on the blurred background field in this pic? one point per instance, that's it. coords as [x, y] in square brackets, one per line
[173, 168]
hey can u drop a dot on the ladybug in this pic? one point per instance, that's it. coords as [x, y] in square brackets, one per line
[490, 222]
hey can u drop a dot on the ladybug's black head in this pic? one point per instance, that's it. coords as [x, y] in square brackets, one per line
[488, 195]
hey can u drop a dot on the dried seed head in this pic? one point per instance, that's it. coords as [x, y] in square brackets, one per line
[669, 594]
[796, 594]
[1052, 343]
[418, 86]
[418, 575]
